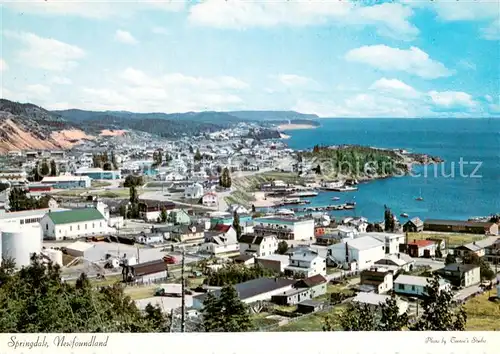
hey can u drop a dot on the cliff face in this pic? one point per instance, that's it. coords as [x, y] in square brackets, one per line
[26, 126]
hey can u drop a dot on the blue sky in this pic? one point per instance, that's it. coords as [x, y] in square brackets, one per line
[333, 58]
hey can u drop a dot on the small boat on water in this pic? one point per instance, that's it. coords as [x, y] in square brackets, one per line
[419, 198]
[403, 215]
[350, 203]
[335, 198]
[345, 189]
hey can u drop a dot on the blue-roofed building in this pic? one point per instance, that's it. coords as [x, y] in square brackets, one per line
[98, 173]
[285, 228]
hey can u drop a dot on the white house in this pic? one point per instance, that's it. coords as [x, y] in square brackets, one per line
[239, 209]
[258, 246]
[58, 225]
[414, 285]
[391, 241]
[210, 199]
[306, 263]
[397, 262]
[375, 300]
[364, 251]
[195, 191]
[220, 239]
[286, 228]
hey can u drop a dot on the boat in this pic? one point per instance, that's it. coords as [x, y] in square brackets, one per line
[294, 201]
[330, 186]
[304, 194]
[351, 203]
[335, 198]
[403, 215]
[419, 198]
[345, 189]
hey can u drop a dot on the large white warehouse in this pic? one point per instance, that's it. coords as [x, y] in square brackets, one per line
[20, 243]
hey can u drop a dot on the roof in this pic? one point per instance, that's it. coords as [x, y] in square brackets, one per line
[360, 243]
[416, 221]
[251, 239]
[307, 256]
[454, 267]
[277, 220]
[421, 243]
[241, 258]
[411, 280]
[221, 228]
[50, 179]
[458, 223]
[80, 246]
[371, 298]
[149, 267]
[313, 281]
[255, 287]
[28, 213]
[75, 215]
[310, 303]
[478, 245]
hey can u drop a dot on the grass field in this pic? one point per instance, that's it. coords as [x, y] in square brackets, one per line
[451, 239]
[140, 292]
[314, 322]
[482, 314]
[260, 320]
[99, 184]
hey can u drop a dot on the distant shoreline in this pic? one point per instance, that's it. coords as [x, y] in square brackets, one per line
[284, 127]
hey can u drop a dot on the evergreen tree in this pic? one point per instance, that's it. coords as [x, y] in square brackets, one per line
[197, 155]
[226, 313]
[282, 247]
[390, 319]
[123, 211]
[134, 197]
[53, 168]
[236, 224]
[114, 162]
[163, 215]
[359, 317]
[388, 220]
[450, 259]
[37, 177]
[253, 208]
[439, 313]
[486, 272]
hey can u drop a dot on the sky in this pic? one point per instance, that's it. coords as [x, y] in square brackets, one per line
[407, 58]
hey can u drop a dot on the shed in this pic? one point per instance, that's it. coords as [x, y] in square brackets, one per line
[308, 306]
[78, 248]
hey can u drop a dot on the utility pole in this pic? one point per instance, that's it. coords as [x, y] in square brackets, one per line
[183, 303]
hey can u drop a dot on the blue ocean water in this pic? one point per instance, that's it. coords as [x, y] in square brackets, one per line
[447, 192]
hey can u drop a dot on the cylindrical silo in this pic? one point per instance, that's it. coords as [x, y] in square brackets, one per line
[55, 256]
[20, 243]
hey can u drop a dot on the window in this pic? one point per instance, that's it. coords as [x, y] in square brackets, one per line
[47, 227]
[78, 227]
[71, 228]
[93, 225]
[22, 222]
[100, 224]
[413, 288]
[401, 286]
[85, 226]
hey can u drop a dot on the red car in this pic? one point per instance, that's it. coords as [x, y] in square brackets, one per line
[169, 260]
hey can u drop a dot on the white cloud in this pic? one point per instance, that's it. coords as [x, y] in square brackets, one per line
[395, 87]
[38, 90]
[46, 53]
[58, 80]
[125, 37]
[3, 65]
[413, 61]
[390, 19]
[452, 99]
[138, 91]
[291, 80]
[161, 30]
[94, 9]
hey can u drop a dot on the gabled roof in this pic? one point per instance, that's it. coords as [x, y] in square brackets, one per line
[312, 281]
[75, 215]
[221, 228]
[149, 267]
[416, 221]
[421, 243]
[458, 223]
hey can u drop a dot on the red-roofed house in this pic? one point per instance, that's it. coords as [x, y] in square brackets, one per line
[421, 248]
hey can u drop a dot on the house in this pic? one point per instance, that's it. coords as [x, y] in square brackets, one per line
[98, 173]
[258, 246]
[461, 274]
[309, 306]
[375, 300]
[396, 262]
[79, 249]
[187, 233]
[285, 228]
[59, 225]
[305, 264]
[414, 285]
[413, 225]
[364, 251]
[179, 217]
[251, 291]
[227, 219]
[476, 247]
[25, 217]
[470, 227]
[67, 181]
[210, 199]
[302, 290]
[148, 239]
[239, 209]
[194, 191]
[378, 280]
[274, 262]
[150, 210]
[420, 248]
[243, 259]
[220, 239]
[391, 241]
[492, 252]
[146, 272]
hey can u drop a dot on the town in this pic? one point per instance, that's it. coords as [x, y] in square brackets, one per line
[174, 222]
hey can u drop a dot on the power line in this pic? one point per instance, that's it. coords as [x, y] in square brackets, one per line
[183, 285]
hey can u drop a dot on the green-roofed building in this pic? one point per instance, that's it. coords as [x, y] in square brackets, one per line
[71, 224]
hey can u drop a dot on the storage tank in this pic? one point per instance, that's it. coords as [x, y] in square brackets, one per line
[20, 243]
[55, 256]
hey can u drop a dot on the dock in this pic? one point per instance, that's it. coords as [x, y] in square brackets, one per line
[331, 207]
